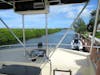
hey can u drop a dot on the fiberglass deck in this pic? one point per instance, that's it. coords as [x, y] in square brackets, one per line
[62, 59]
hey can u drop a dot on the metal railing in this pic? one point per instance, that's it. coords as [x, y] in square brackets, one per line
[44, 45]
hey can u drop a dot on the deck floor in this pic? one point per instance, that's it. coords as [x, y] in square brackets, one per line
[17, 55]
[61, 59]
[64, 59]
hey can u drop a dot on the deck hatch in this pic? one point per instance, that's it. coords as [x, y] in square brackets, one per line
[62, 72]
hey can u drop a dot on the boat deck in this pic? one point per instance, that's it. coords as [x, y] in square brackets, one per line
[77, 62]
[61, 59]
[17, 55]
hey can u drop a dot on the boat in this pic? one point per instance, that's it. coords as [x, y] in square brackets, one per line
[56, 61]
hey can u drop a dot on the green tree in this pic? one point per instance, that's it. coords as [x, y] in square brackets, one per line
[92, 20]
[80, 26]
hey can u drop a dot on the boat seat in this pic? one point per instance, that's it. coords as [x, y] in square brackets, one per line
[20, 70]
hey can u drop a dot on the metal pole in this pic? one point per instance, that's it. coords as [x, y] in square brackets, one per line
[79, 14]
[11, 32]
[24, 34]
[95, 26]
[46, 26]
[71, 25]
[7, 2]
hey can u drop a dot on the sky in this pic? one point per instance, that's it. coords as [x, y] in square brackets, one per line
[58, 17]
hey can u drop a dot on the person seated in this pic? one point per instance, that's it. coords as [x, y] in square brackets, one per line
[77, 44]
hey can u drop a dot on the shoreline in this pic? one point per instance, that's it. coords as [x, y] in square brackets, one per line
[6, 38]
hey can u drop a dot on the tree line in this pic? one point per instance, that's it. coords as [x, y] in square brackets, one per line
[81, 27]
[7, 38]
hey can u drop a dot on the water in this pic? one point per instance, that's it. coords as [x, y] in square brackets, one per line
[54, 39]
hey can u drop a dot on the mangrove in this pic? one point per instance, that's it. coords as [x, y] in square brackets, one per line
[7, 38]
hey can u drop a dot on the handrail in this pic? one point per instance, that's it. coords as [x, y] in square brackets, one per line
[50, 44]
[95, 26]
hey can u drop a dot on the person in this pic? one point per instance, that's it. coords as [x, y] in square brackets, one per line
[76, 44]
[76, 41]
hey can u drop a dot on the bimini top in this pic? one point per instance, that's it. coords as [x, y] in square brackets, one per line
[8, 4]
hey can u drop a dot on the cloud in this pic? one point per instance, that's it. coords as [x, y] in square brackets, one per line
[59, 15]
[71, 11]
